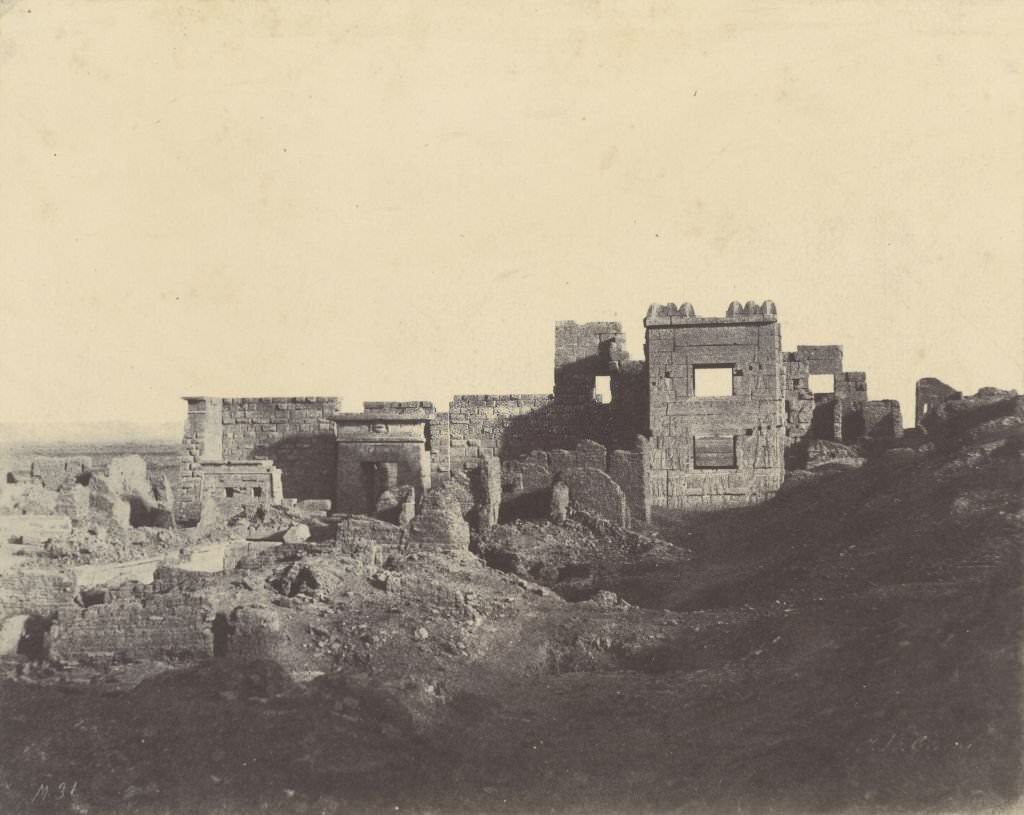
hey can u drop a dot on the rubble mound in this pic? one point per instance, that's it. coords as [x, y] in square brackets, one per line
[991, 413]
[570, 557]
[833, 455]
[245, 678]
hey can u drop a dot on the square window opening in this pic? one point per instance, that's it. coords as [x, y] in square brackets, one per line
[603, 390]
[229, 492]
[822, 383]
[712, 380]
[257, 492]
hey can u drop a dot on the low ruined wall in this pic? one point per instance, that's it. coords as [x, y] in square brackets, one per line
[883, 419]
[113, 574]
[53, 471]
[357, 530]
[34, 529]
[152, 626]
[628, 470]
[35, 591]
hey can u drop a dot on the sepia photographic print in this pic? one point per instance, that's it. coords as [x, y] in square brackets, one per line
[586, 406]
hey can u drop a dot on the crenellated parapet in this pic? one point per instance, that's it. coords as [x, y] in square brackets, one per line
[661, 314]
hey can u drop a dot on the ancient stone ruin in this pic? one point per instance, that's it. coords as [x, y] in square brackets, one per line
[709, 419]
[110, 561]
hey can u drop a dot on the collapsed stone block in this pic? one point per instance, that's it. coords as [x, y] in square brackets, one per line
[299, 533]
[883, 419]
[821, 452]
[485, 486]
[559, 502]
[34, 529]
[128, 475]
[52, 471]
[594, 491]
[104, 501]
[27, 498]
[440, 525]
[368, 539]
[397, 505]
[73, 501]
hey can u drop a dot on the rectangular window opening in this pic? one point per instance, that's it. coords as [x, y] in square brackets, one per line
[822, 383]
[229, 492]
[714, 452]
[603, 390]
[712, 380]
[257, 492]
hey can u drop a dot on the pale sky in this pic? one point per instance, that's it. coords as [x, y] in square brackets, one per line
[397, 200]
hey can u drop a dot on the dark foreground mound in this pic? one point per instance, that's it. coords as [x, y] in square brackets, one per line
[852, 646]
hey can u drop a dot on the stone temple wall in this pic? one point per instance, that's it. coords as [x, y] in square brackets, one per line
[511, 425]
[703, 451]
[295, 433]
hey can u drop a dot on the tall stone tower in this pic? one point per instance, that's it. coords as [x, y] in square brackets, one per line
[717, 406]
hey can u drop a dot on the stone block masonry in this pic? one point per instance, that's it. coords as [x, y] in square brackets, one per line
[295, 433]
[721, 447]
[621, 496]
[703, 448]
[484, 425]
[51, 471]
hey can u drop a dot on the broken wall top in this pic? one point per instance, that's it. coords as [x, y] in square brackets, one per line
[670, 314]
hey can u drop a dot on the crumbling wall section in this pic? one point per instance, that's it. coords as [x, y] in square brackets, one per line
[440, 525]
[142, 625]
[35, 591]
[233, 485]
[202, 439]
[799, 399]
[851, 394]
[630, 469]
[439, 443]
[584, 351]
[485, 485]
[534, 474]
[482, 425]
[52, 471]
[296, 433]
[836, 414]
[882, 419]
[929, 394]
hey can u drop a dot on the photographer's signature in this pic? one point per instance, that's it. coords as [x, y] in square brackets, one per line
[916, 743]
